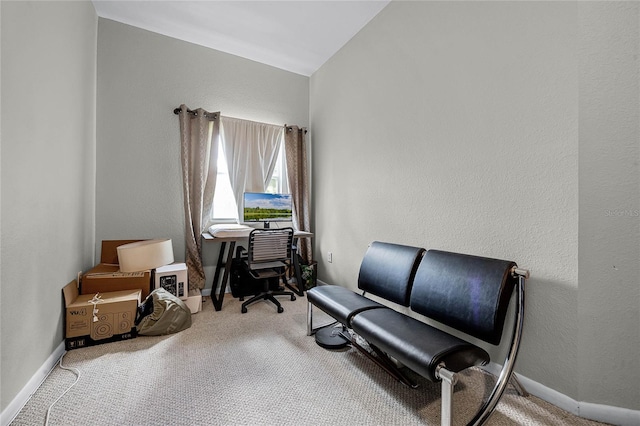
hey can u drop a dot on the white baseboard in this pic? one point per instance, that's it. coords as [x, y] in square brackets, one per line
[608, 414]
[598, 412]
[12, 410]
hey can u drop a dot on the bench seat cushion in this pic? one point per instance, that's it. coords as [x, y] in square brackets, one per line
[340, 302]
[415, 344]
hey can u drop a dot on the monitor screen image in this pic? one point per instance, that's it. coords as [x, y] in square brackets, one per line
[264, 207]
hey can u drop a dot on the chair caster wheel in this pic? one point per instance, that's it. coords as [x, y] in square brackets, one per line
[293, 298]
[243, 310]
[280, 309]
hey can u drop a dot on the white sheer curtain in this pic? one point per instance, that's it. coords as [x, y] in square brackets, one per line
[251, 150]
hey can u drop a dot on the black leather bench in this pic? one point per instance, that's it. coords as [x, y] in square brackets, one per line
[387, 270]
[468, 293]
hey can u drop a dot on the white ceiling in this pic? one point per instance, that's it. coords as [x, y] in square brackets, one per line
[297, 36]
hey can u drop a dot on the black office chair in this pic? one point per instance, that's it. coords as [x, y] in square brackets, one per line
[266, 259]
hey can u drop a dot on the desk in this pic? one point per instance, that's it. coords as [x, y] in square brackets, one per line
[218, 287]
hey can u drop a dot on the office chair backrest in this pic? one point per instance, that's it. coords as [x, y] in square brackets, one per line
[270, 245]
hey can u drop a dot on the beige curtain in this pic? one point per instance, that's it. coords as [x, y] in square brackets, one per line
[298, 176]
[199, 132]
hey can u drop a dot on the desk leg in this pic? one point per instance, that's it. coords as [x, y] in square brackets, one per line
[217, 302]
[218, 288]
[227, 271]
[298, 273]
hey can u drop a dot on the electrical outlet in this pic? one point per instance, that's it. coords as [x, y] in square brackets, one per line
[330, 257]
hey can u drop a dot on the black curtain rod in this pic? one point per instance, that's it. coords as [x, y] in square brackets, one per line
[194, 113]
[176, 111]
[290, 128]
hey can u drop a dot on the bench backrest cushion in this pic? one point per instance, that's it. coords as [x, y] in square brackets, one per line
[468, 293]
[387, 270]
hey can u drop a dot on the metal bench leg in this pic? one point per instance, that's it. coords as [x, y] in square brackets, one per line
[522, 391]
[309, 318]
[449, 380]
[310, 330]
[507, 369]
[382, 360]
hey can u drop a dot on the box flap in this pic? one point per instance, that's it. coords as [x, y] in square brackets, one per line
[110, 297]
[109, 253]
[103, 270]
[171, 268]
[70, 292]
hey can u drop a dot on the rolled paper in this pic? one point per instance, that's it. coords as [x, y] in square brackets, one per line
[145, 255]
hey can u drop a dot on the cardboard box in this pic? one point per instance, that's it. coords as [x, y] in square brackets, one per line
[172, 278]
[106, 276]
[194, 301]
[91, 321]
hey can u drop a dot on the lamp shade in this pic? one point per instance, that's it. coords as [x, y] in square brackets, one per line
[145, 255]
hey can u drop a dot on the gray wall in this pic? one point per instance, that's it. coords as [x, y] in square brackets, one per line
[609, 194]
[503, 129]
[48, 175]
[142, 77]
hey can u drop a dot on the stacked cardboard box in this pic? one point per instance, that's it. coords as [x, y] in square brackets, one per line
[194, 301]
[104, 306]
[106, 276]
[95, 319]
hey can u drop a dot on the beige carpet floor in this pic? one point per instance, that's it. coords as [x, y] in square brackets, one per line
[257, 368]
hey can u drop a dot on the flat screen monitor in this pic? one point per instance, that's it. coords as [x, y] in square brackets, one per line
[266, 208]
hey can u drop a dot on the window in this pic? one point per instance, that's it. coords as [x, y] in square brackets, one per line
[279, 183]
[224, 203]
